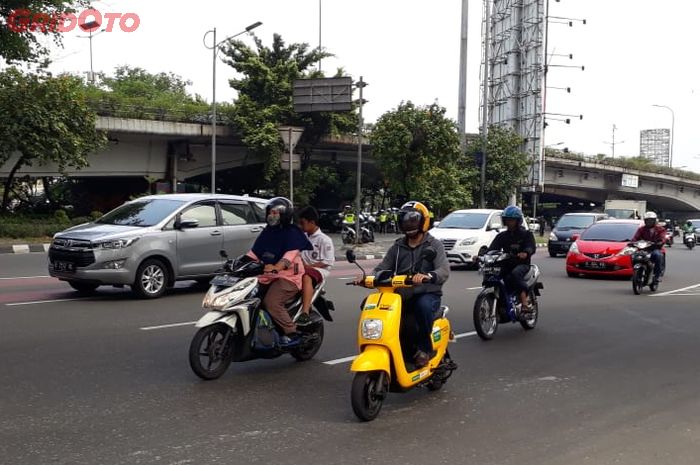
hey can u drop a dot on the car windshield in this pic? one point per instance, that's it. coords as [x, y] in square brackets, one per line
[611, 232]
[575, 222]
[464, 221]
[696, 223]
[141, 213]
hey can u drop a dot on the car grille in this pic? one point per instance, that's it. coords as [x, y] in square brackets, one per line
[598, 256]
[73, 251]
[449, 244]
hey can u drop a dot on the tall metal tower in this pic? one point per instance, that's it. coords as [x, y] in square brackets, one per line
[514, 58]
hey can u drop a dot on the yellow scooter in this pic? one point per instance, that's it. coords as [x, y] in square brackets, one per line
[381, 366]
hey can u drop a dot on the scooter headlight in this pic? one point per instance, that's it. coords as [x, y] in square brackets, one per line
[628, 251]
[372, 329]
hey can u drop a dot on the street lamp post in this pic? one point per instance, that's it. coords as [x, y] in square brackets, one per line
[215, 49]
[90, 27]
[673, 132]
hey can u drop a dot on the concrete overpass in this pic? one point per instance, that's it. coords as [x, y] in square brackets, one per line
[175, 150]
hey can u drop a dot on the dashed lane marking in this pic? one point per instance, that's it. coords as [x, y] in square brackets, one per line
[172, 325]
[677, 292]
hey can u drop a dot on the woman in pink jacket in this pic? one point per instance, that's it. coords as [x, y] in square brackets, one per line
[279, 247]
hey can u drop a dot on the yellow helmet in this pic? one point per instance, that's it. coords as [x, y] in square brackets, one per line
[414, 217]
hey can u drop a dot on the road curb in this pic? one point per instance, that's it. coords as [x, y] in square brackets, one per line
[23, 248]
[375, 256]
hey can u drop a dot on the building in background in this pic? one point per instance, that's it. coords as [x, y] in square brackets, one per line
[655, 145]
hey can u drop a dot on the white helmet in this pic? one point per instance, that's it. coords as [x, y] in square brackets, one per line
[650, 216]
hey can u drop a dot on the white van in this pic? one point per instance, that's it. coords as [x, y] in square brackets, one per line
[466, 233]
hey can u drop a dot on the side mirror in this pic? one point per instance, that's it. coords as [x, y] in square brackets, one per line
[223, 254]
[350, 256]
[495, 227]
[187, 224]
[574, 237]
[435, 224]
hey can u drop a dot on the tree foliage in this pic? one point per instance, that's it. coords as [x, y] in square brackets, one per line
[418, 152]
[506, 166]
[264, 102]
[136, 93]
[45, 120]
[24, 45]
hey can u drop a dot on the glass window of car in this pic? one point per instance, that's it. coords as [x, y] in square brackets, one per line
[610, 232]
[143, 213]
[234, 214]
[205, 214]
[464, 220]
[496, 221]
[696, 223]
[575, 221]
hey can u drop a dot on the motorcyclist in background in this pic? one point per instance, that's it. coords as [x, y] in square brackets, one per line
[520, 242]
[651, 231]
[688, 227]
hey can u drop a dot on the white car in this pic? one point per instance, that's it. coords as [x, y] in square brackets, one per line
[468, 233]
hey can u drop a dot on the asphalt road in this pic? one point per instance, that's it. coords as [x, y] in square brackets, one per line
[606, 378]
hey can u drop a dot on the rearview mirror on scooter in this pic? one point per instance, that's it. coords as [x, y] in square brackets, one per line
[350, 255]
[223, 254]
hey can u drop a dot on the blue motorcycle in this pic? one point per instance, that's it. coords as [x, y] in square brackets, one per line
[495, 304]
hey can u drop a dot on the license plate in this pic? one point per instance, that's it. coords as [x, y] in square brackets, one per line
[64, 266]
[595, 265]
[224, 280]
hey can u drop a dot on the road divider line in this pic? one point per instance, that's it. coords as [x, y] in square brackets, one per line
[23, 277]
[662, 294]
[338, 361]
[38, 302]
[474, 288]
[172, 325]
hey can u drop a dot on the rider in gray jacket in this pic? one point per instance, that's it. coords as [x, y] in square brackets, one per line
[406, 257]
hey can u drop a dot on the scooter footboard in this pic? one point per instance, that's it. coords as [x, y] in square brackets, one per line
[373, 358]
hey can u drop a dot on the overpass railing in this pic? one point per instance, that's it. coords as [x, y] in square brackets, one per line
[636, 163]
[189, 113]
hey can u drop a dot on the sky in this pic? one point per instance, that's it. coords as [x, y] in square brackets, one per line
[636, 53]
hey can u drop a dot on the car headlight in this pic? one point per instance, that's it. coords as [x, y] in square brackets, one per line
[469, 241]
[574, 249]
[117, 243]
[372, 328]
[628, 251]
[553, 237]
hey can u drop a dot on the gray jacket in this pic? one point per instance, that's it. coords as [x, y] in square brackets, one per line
[400, 258]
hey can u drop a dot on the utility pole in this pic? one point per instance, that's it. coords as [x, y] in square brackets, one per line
[462, 114]
[358, 201]
[613, 143]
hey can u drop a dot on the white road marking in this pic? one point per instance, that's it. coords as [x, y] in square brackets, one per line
[23, 277]
[338, 361]
[662, 294]
[172, 325]
[473, 288]
[37, 302]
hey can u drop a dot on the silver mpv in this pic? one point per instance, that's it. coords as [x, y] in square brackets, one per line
[151, 242]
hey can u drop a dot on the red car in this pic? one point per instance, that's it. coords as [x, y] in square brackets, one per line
[599, 249]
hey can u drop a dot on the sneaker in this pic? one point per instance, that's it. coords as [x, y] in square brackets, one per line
[304, 320]
[421, 359]
[289, 340]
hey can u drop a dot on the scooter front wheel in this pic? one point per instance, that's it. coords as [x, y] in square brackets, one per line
[485, 316]
[638, 281]
[210, 351]
[367, 395]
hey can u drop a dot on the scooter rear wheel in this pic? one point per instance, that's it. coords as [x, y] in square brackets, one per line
[531, 322]
[367, 394]
[210, 351]
[307, 352]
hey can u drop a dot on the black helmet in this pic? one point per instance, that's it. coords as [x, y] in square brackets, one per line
[413, 218]
[281, 205]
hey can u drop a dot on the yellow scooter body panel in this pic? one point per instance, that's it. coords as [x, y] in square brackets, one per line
[385, 306]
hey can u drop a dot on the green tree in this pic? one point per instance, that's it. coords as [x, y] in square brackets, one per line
[136, 93]
[45, 120]
[265, 101]
[506, 165]
[418, 152]
[19, 41]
